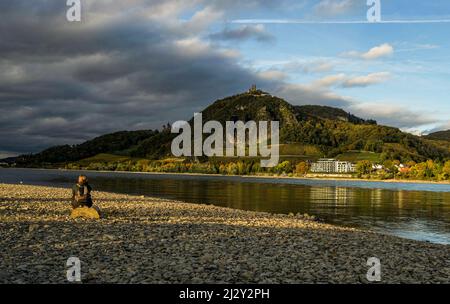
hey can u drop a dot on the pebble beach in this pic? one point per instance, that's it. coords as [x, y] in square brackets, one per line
[151, 240]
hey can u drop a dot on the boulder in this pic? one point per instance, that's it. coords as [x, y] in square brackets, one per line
[86, 212]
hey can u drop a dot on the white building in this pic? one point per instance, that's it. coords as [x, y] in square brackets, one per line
[330, 165]
[323, 166]
[345, 167]
[377, 167]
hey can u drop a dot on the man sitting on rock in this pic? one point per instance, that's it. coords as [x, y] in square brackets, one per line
[81, 193]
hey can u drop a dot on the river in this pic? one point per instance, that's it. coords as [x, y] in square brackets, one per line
[417, 211]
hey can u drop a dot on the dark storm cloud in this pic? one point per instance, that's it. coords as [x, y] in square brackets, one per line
[65, 82]
[244, 32]
[128, 65]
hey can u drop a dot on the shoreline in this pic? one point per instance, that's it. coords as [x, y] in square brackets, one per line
[331, 178]
[152, 240]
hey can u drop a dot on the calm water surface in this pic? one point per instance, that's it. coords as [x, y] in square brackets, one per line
[415, 211]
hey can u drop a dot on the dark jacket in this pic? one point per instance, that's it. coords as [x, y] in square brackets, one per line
[81, 195]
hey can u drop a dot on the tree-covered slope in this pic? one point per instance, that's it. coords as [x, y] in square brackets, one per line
[109, 143]
[330, 130]
[440, 135]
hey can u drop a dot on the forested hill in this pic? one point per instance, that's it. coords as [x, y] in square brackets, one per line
[330, 131]
[440, 135]
[259, 106]
[114, 143]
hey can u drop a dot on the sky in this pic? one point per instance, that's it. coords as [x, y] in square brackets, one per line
[138, 64]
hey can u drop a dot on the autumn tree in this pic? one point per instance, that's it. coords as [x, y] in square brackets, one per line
[302, 168]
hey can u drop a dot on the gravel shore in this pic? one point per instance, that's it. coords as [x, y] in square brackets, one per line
[149, 240]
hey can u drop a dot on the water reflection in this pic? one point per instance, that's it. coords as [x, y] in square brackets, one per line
[407, 212]
[413, 214]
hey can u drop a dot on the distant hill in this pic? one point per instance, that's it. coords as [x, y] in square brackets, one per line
[8, 160]
[327, 131]
[331, 113]
[115, 143]
[441, 135]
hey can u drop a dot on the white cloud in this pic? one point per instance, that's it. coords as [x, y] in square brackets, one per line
[364, 81]
[442, 126]
[301, 94]
[382, 50]
[203, 18]
[314, 66]
[393, 115]
[385, 113]
[330, 80]
[345, 81]
[275, 75]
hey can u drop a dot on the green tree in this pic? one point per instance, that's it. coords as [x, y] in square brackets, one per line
[284, 167]
[364, 167]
